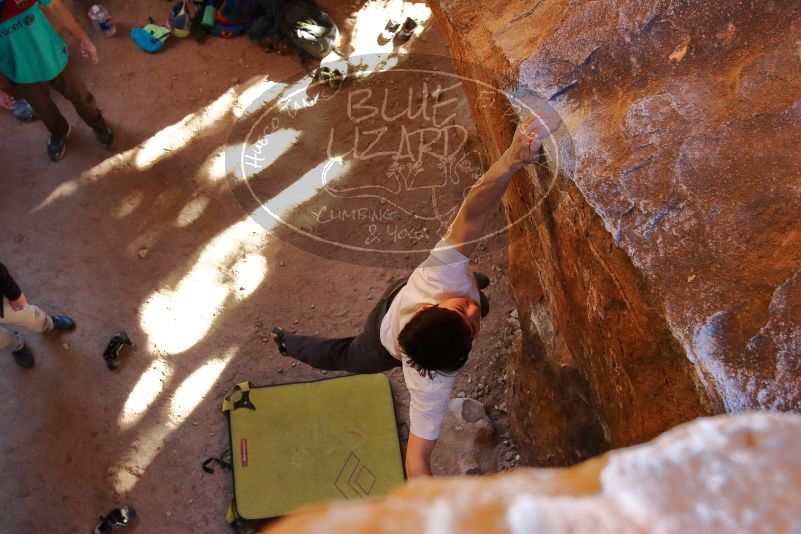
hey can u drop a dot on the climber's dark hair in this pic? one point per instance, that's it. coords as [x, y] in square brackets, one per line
[436, 340]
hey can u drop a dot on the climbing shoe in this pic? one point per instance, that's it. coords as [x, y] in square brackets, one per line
[482, 280]
[117, 518]
[116, 343]
[23, 357]
[62, 323]
[279, 336]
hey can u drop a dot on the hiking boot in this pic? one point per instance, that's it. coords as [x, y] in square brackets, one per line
[106, 137]
[482, 280]
[62, 323]
[56, 148]
[23, 357]
[279, 336]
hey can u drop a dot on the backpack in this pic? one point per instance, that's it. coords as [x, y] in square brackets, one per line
[235, 16]
[308, 27]
[180, 21]
[150, 37]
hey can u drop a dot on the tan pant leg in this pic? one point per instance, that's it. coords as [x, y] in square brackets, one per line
[10, 340]
[30, 317]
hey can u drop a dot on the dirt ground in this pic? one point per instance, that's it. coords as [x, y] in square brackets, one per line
[153, 239]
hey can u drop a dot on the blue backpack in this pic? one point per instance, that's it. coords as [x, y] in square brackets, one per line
[234, 17]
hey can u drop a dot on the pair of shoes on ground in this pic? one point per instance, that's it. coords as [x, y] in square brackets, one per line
[57, 147]
[334, 77]
[394, 29]
[24, 356]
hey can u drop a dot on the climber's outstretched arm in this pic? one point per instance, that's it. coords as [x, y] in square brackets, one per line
[487, 192]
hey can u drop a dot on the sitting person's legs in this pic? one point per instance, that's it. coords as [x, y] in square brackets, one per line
[30, 317]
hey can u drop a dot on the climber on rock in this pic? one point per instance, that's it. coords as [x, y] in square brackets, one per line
[428, 322]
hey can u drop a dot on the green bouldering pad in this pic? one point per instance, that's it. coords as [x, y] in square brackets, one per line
[298, 444]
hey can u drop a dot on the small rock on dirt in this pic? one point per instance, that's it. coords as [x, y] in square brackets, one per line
[468, 431]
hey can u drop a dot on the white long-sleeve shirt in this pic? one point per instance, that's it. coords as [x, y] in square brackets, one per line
[443, 274]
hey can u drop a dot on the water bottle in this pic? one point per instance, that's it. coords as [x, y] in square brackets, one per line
[102, 19]
[209, 16]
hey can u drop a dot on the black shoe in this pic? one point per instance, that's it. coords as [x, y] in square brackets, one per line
[106, 137]
[62, 323]
[56, 148]
[23, 357]
[279, 336]
[114, 348]
[482, 280]
[484, 304]
[117, 518]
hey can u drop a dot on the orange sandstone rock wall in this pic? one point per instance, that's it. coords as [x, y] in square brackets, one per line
[699, 477]
[658, 275]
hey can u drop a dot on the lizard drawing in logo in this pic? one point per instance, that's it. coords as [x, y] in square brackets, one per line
[418, 171]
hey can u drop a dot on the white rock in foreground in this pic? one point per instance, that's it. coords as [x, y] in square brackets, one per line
[723, 474]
